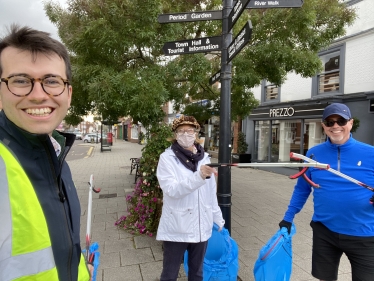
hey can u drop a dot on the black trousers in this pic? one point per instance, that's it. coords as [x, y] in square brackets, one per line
[329, 246]
[173, 256]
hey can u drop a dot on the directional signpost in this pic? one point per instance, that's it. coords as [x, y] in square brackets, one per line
[186, 17]
[216, 77]
[200, 45]
[229, 49]
[236, 11]
[275, 4]
[240, 40]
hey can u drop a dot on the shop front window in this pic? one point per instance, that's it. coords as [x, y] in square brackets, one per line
[289, 138]
[314, 133]
[212, 134]
[262, 133]
[297, 136]
[274, 156]
[275, 143]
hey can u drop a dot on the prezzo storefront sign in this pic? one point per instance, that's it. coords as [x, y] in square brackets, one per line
[281, 112]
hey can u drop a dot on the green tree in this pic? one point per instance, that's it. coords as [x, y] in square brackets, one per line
[119, 68]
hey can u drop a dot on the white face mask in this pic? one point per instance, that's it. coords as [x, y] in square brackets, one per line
[186, 140]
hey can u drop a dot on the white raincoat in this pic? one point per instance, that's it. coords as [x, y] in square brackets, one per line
[189, 202]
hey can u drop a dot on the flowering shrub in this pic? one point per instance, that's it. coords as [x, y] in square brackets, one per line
[145, 204]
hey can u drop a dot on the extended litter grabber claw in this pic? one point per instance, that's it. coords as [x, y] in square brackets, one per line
[309, 160]
[303, 171]
[91, 250]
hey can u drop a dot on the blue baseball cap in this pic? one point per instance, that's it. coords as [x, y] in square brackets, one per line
[338, 109]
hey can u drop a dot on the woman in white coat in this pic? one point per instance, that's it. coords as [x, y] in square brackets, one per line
[189, 201]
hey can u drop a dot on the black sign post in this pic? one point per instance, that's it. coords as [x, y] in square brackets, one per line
[216, 77]
[224, 153]
[265, 4]
[240, 40]
[199, 45]
[229, 49]
[236, 11]
[186, 17]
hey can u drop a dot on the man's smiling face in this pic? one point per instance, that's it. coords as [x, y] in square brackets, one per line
[338, 134]
[38, 112]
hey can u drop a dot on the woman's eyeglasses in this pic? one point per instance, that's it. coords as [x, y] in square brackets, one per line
[188, 131]
[340, 122]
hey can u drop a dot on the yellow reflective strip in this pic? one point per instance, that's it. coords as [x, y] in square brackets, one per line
[49, 275]
[26, 265]
[83, 274]
[5, 215]
[30, 231]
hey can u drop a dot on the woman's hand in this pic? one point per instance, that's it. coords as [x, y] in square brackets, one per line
[91, 270]
[206, 171]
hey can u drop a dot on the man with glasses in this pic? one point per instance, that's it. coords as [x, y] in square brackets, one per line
[343, 219]
[39, 206]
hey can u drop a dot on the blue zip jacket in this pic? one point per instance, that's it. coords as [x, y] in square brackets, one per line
[341, 205]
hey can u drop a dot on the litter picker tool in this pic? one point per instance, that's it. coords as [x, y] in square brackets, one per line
[91, 250]
[301, 173]
[247, 165]
[309, 160]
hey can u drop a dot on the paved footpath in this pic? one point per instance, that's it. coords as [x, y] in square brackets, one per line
[259, 200]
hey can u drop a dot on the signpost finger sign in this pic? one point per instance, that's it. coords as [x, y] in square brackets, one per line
[240, 41]
[199, 45]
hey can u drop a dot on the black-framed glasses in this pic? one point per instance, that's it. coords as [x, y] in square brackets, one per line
[340, 122]
[188, 131]
[22, 85]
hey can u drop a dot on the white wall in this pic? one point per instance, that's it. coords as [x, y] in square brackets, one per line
[296, 88]
[365, 18]
[359, 64]
[257, 92]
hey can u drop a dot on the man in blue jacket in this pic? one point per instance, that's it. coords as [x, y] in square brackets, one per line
[343, 219]
[39, 206]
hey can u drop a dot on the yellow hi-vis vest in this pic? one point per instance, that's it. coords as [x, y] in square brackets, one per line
[25, 245]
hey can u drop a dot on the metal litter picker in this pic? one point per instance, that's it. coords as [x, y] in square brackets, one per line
[304, 165]
[249, 165]
[340, 174]
[91, 252]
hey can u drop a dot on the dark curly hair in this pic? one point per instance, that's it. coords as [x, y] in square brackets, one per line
[34, 41]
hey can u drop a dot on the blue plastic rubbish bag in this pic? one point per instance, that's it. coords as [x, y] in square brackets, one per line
[221, 257]
[274, 262]
[94, 247]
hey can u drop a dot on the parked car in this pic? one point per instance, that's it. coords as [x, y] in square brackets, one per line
[78, 135]
[92, 136]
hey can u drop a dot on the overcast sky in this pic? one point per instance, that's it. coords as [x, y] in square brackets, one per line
[26, 12]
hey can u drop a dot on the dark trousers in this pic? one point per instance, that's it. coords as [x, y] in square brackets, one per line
[329, 246]
[173, 256]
